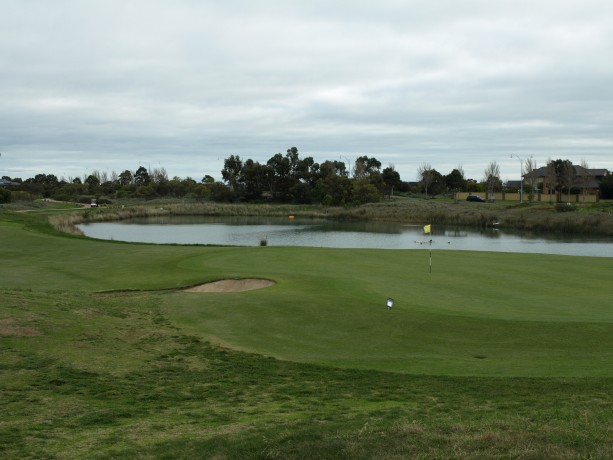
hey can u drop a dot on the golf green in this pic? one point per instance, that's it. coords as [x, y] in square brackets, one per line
[474, 314]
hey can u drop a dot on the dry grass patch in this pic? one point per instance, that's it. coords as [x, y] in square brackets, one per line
[10, 326]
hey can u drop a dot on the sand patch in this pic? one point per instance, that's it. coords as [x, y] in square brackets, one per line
[248, 284]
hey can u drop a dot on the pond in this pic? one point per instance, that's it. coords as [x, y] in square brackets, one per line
[251, 231]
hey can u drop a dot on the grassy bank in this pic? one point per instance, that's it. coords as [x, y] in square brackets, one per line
[591, 219]
[491, 355]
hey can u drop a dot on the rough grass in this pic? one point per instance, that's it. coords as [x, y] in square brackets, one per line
[98, 361]
[591, 219]
[109, 376]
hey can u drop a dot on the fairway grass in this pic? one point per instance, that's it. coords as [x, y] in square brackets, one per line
[490, 355]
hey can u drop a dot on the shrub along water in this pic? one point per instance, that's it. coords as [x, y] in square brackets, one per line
[584, 220]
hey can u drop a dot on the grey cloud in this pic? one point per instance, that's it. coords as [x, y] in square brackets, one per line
[104, 85]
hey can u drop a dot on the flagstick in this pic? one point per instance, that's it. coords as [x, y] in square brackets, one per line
[430, 256]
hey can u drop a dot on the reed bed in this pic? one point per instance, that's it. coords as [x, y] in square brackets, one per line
[534, 217]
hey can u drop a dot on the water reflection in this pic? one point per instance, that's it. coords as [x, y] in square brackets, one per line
[250, 231]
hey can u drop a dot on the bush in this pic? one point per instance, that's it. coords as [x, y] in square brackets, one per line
[22, 196]
[5, 195]
[564, 207]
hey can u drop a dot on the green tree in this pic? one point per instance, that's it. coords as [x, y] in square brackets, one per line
[365, 166]
[220, 192]
[93, 184]
[605, 187]
[231, 172]
[279, 174]
[253, 180]
[561, 175]
[391, 179]
[364, 192]
[332, 190]
[455, 182]
[332, 168]
[5, 195]
[125, 178]
[42, 184]
[141, 176]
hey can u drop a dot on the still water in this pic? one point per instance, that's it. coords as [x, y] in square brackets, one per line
[250, 231]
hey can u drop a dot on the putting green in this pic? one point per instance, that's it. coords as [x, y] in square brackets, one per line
[476, 314]
[482, 314]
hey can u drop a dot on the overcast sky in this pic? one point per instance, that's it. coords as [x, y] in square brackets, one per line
[182, 84]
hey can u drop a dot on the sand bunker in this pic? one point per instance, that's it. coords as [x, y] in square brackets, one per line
[248, 284]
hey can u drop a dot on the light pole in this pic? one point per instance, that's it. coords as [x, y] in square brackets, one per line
[348, 164]
[521, 177]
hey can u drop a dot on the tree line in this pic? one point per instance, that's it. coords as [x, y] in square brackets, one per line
[284, 178]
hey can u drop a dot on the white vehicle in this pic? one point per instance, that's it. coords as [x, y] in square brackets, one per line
[94, 203]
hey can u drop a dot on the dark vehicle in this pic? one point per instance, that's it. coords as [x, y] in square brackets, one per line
[476, 198]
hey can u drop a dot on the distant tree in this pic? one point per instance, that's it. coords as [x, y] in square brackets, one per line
[145, 191]
[289, 177]
[552, 181]
[330, 168]
[561, 174]
[472, 185]
[391, 179]
[375, 179]
[279, 176]
[125, 178]
[231, 172]
[455, 181]
[5, 195]
[332, 190]
[254, 180]
[93, 183]
[201, 192]
[605, 187]
[425, 176]
[108, 188]
[491, 178]
[569, 173]
[365, 166]
[437, 186]
[141, 176]
[306, 170]
[73, 188]
[220, 192]
[363, 192]
[586, 178]
[530, 176]
[43, 184]
[159, 175]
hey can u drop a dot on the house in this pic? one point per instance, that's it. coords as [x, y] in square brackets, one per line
[586, 180]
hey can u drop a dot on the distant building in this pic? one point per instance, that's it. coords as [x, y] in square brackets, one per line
[6, 183]
[584, 179]
[513, 184]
